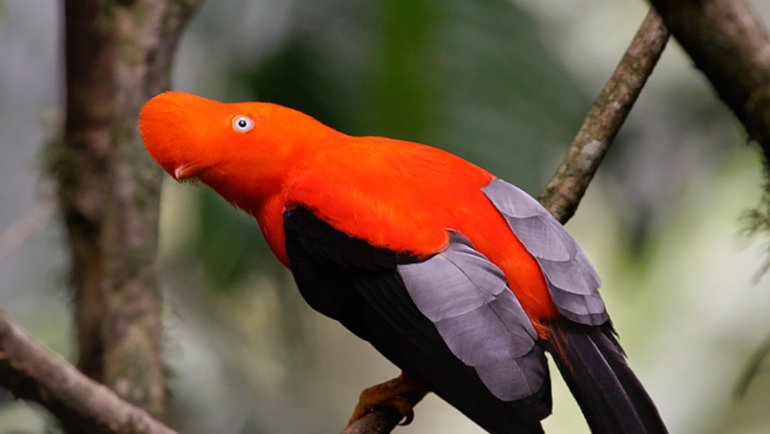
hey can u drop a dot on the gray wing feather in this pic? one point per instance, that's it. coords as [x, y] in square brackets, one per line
[512, 376]
[467, 298]
[572, 280]
[538, 235]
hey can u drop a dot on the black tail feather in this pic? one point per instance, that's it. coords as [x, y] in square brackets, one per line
[609, 394]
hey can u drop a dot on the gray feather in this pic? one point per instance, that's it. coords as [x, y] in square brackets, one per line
[572, 280]
[530, 371]
[467, 298]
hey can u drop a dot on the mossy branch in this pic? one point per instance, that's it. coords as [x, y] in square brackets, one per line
[117, 55]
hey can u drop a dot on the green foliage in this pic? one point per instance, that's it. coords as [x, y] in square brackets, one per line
[756, 224]
[471, 77]
[230, 247]
[752, 368]
[295, 76]
[756, 221]
[400, 80]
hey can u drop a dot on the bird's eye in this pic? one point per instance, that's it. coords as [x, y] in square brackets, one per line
[242, 124]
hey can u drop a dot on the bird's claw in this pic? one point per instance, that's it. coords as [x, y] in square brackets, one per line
[398, 403]
[404, 408]
[391, 394]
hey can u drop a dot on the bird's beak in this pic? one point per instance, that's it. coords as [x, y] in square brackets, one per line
[187, 171]
[174, 132]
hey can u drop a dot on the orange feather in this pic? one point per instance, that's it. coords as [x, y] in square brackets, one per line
[394, 194]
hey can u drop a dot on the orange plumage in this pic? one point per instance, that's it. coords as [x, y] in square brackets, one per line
[414, 249]
[427, 190]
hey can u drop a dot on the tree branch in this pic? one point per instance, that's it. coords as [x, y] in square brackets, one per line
[565, 190]
[31, 371]
[381, 421]
[728, 42]
[562, 195]
[30, 225]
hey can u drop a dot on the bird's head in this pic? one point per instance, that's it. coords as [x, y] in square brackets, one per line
[242, 150]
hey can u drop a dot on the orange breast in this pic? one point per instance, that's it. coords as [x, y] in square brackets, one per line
[405, 196]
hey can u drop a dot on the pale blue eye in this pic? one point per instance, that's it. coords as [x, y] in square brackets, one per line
[242, 124]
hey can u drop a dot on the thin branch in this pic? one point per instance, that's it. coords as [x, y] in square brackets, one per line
[562, 195]
[29, 226]
[31, 371]
[383, 420]
[752, 368]
[380, 421]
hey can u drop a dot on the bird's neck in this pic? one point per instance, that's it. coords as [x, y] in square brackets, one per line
[270, 219]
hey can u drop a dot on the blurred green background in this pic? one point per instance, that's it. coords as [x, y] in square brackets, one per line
[502, 83]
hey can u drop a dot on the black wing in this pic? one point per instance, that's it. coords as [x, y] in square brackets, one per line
[449, 321]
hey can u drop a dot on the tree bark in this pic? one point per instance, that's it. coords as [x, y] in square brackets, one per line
[381, 421]
[118, 54]
[563, 193]
[728, 42]
[565, 190]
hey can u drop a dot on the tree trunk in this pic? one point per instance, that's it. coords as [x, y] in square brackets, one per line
[118, 54]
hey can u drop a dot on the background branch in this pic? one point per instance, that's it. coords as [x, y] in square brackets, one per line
[31, 371]
[727, 41]
[565, 190]
[29, 226]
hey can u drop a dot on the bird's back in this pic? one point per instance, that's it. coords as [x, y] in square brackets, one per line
[405, 197]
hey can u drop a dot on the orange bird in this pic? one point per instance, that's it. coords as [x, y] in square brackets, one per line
[459, 278]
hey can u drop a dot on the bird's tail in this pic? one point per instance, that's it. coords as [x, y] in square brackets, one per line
[609, 394]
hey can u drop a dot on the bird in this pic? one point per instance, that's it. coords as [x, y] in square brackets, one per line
[461, 279]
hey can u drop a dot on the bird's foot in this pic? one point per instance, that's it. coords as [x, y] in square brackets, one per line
[400, 393]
